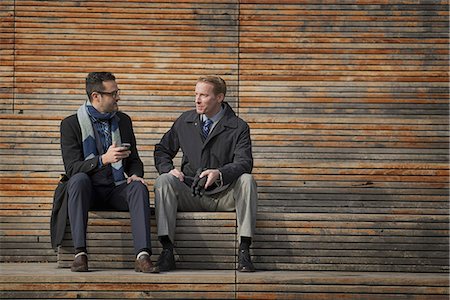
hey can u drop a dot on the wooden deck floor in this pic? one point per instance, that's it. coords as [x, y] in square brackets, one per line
[45, 280]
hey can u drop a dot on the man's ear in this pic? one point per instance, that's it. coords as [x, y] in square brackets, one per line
[221, 97]
[94, 97]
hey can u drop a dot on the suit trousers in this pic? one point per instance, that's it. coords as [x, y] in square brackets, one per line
[172, 195]
[83, 196]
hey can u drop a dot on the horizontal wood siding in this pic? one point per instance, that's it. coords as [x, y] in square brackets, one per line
[347, 103]
[156, 50]
[6, 55]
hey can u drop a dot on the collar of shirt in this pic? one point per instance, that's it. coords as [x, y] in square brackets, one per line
[216, 118]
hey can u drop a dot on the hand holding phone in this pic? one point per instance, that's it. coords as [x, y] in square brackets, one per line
[115, 153]
[127, 146]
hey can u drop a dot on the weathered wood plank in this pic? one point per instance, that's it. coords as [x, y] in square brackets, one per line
[115, 284]
[7, 56]
[16, 281]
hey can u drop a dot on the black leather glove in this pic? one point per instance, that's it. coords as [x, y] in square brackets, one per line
[198, 186]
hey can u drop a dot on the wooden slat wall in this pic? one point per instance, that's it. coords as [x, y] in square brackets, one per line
[156, 50]
[30, 163]
[350, 100]
[6, 55]
[347, 102]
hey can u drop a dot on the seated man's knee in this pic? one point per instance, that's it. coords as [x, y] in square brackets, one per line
[79, 181]
[138, 186]
[164, 179]
[79, 190]
[137, 193]
[139, 190]
[247, 180]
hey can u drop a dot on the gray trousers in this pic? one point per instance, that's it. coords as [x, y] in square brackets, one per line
[83, 196]
[172, 195]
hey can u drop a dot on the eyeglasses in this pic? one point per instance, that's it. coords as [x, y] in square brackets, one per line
[113, 94]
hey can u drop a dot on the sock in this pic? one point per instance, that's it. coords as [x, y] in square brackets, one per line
[80, 253]
[166, 242]
[245, 243]
[80, 250]
[142, 253]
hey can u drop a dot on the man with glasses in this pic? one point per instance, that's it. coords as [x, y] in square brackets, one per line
[104, 169]
[215, 170]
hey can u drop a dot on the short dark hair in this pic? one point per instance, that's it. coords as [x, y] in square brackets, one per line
[94, 82]
[220, 87]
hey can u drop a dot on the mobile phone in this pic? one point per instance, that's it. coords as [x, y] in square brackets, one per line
[126, 145]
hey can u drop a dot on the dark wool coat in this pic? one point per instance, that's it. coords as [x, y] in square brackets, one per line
[73, 157]
[227, 148]
[72, 148]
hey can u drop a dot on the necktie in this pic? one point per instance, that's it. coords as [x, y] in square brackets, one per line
[206, 127]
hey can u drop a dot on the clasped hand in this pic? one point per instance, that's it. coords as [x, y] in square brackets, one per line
[202, 180]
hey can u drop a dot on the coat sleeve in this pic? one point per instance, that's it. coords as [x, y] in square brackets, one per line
[166, 150]
[58, 217]
[72, 149]
[133, 164]
[242, 159]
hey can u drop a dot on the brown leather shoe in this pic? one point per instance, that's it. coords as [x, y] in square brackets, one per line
[144, 264]
[80, 263]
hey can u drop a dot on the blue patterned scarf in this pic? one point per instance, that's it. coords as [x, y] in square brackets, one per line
[88, 114]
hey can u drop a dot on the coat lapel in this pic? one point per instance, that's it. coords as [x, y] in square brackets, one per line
[229, 120]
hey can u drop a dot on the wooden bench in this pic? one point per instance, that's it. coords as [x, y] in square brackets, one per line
[31, 164]
[288, 241]
[351, 242]
[204, 241]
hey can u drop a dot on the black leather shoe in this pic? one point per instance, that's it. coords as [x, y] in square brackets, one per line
[80, 264]
[245, 262]
[166, 260]
[144, 264]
